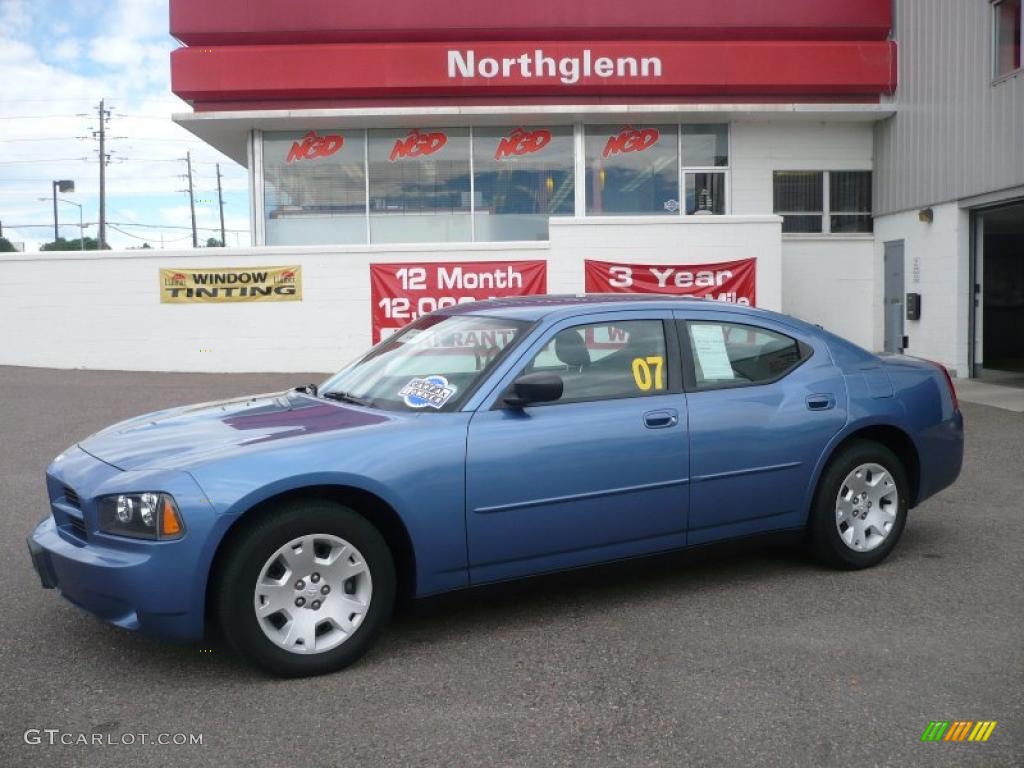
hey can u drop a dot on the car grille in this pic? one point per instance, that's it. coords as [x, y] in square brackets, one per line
[77, 526]
[71, 497]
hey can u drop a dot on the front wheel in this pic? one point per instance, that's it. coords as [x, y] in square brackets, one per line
[860, 508]
[307, 589]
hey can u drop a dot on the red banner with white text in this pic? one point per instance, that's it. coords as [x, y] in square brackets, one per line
[733, 281]
[400, 293]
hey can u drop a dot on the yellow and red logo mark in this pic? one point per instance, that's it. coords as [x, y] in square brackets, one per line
[958, 730]
[631, 139]
[313, 146]
[522, 142]
[418, 144]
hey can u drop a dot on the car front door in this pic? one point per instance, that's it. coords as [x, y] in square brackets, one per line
[764, 400]
[597, 475]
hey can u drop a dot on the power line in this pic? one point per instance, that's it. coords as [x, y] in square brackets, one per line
[147, 239]
[49, 160]
[33, 117]
[129, 224]
[44, 138]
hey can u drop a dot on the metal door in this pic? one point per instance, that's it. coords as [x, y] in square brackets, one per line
[894, 288]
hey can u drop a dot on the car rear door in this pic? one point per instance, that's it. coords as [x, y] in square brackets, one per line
[764, 400]
[598, 475]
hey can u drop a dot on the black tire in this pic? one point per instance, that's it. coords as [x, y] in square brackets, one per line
[236, 582]
[826, 544]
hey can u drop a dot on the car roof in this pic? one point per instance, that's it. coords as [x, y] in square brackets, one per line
[533, 308]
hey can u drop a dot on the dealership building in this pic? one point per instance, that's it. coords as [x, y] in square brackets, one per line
[867, 154]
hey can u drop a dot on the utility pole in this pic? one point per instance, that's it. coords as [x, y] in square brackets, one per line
[101, 134]
[191, 199]
[220, 200]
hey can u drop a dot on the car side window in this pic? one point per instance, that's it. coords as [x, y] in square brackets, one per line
[733, 354]
[606, 360]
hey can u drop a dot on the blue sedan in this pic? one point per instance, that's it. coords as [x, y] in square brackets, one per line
[486, 442]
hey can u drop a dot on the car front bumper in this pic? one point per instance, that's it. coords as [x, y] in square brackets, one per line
[157, 587]
[114, 585]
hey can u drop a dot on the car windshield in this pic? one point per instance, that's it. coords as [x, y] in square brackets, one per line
[430, 365]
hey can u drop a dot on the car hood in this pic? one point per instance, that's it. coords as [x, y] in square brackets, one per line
[178, 437]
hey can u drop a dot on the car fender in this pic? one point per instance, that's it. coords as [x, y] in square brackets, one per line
[851, 428]
[419, 472]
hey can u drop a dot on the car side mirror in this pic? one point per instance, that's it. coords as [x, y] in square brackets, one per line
[534, 388]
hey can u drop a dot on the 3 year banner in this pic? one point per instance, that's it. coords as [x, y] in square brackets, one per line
[733, 281]
[400, 293]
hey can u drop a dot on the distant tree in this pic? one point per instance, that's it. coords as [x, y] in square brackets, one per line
[60, 244]
[142, 247]
[6, 246]
[213, 242]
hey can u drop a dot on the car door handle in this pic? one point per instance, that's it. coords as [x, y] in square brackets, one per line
[821, 402]
[661, 419]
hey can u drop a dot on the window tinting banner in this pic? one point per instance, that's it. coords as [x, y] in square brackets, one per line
[732, 281]
[400, 293]
[206, 286]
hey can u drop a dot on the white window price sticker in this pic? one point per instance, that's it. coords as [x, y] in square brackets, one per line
[712, 356]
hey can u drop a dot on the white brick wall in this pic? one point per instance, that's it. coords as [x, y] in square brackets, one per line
[67, 310]
[940, 251]
[830, 280]
[760, 147]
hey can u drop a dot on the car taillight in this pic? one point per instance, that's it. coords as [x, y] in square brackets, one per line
[949, 383]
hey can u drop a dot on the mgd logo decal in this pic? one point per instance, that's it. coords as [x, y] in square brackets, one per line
[522, 142]
[313, 146]
[418, 144]
[631, 139]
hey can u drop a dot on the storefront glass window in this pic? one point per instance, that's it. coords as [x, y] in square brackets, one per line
[705, 193]
[632, 169]
[521, 176]
[314, 187]
[705, 146]
[419, 185]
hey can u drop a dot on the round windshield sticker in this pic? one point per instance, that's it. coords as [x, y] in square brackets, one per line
[427, 392]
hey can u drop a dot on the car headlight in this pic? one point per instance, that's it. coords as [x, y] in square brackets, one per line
[142, 515]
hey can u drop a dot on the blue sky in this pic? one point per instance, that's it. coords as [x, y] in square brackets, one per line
[58, 58]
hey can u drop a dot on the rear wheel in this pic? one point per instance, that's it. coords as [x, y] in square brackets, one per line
[860, 508]
[307, 589]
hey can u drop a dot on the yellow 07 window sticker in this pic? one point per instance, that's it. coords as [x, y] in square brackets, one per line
[645, 378]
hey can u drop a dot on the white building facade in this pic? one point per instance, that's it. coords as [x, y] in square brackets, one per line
[809, 136]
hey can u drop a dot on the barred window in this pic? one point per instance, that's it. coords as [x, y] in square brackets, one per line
[849, 201]
[833, 202]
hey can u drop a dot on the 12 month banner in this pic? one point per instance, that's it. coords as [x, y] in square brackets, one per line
[400, 293]
[733, 281]
[221, 284]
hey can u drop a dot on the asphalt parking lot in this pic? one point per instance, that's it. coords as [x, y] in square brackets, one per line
[750, 657]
